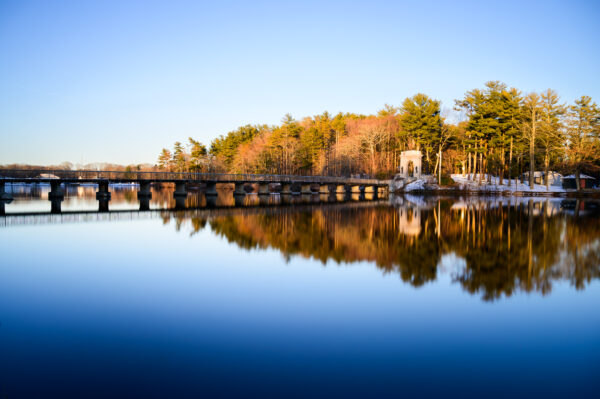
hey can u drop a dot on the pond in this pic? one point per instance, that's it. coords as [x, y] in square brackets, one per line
[298, 297]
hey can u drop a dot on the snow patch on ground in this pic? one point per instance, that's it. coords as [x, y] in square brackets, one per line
[494, 185]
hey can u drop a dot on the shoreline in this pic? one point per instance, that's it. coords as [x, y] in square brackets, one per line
[506, 193]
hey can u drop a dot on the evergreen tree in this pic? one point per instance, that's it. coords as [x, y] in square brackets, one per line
[551, 135]
[422, 122]
[583, 135]
[164, 160]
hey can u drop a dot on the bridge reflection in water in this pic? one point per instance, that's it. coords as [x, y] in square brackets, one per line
[492, 248]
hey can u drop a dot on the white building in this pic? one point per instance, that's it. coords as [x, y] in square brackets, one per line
[410, 163]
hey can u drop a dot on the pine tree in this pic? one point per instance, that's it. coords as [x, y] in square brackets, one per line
[422, 122]
[164, 160]
[583, 135]
[551, 135]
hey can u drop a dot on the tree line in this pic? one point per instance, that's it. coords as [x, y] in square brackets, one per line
[497, 131]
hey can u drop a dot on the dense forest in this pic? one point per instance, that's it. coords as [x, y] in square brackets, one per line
[496, 130]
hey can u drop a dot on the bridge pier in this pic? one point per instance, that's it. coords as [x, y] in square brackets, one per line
[324, 189]
[239, 199]
[103, 194]
[55, 205]
[144, 192]
[144, 203]
[56, 196]
[144, 195]
[4, 196]
[211, 189]
[263, 200]
[239, 189]
[305, 188]
[211, 201]
[103, 205]
[179, 202]
[286, 198]
[56, 191]
[340, 188]
[180, 190]
[263, 188]
[286, 188]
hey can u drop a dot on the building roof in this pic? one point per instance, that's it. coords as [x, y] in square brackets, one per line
[581, 176]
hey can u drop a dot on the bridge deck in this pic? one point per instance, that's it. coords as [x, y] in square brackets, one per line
[91, 176]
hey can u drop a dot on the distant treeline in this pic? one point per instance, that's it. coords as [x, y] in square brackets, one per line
[500, 131]
[90, 166]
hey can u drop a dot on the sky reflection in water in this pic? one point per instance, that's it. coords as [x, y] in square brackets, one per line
[421, 297]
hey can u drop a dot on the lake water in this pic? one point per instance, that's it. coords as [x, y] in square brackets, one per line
[411, 296]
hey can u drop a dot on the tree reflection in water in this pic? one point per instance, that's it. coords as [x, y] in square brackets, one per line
[501, 246]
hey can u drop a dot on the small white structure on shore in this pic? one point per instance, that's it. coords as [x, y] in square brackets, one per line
[410, 163]
[539, 177]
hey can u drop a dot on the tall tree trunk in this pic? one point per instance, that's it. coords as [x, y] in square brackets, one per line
[470, 167]
[521, 176]
[440, 177]
[503, 161]
[480, 167]
[510, 163]
[546, 167]
[532, 151]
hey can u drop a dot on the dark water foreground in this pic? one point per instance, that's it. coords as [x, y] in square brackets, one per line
[415, 296]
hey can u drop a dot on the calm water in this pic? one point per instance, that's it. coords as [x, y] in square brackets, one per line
[414, 296]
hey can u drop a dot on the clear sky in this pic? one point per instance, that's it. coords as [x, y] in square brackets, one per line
[116, 81]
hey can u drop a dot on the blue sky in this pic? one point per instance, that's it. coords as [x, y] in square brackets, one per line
[115, 81]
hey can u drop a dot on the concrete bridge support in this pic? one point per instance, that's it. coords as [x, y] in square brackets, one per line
[55, 206]
[4, 196]
[340, 188]
[286, 188]
[239, 200]
[56, 196]
[264, 200]
[305, 188]
[239, 189]
[103, 205]
[56, 191]
[211, 201]
[144, 203]
[144, 192]
[211, 189]
[369, 189]
[263, 188]
[286, 198]
[103, 194]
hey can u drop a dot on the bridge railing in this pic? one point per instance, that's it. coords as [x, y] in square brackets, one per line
[90, 175]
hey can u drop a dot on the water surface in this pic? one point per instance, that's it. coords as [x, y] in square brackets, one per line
[471, 297]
